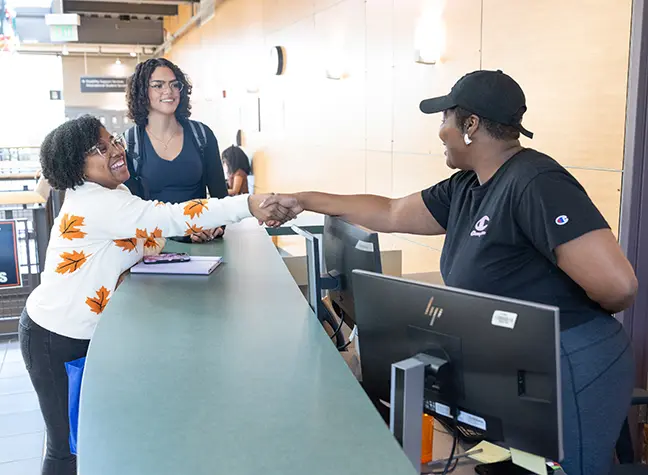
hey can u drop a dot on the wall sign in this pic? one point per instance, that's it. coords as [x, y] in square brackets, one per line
[103, 84]
[9, 266]
[55, 95]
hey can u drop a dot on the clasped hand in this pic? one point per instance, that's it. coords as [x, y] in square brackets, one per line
[274, 210]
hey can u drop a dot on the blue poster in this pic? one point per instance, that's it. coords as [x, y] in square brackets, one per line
[9, 268]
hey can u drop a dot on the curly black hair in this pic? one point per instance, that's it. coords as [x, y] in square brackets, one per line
[63, 152]
[236, 159]
[494, 129]
[138, 85]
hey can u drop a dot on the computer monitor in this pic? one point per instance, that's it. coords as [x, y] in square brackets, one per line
[503, 356]
[348, 247]
[314, 291]
[317, 282]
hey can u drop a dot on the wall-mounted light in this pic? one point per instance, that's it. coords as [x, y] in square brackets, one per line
[133, 54]
[336, 72]
[429, 39]
[65, 51]
[336, 57]
[118, 62]
[278, 60]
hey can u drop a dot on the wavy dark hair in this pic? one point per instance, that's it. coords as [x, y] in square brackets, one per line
[64, 150]
[236, 159]
[138, 85]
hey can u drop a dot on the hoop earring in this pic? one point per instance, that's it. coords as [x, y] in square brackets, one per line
[467, 140]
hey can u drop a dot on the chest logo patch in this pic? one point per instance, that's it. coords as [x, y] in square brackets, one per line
[562, 220]
[480, 227]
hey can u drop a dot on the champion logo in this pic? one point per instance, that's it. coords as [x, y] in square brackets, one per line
[481, 227]
[562, 220]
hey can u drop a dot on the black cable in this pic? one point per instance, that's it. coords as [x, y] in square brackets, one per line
[450, 466]
[345, 346]
[337, 330]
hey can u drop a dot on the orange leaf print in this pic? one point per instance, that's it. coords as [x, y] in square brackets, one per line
[150, 241]
[98, 303]
[159, 203]
[128, 245]
[70, 227]
[195, 208]
[193, 229]
[72, 261]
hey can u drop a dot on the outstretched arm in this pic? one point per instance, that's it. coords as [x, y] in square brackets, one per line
[403, 215]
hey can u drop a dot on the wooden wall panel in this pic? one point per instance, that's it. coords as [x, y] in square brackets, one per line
[379, 173]
[415, 172]
[604, 188]
[365, 133]
[573, 74]
[279, 14]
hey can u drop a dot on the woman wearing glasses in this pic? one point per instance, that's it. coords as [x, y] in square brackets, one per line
[101, 231]
[171, 158]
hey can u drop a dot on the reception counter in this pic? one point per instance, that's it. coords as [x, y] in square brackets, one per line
[228, 374]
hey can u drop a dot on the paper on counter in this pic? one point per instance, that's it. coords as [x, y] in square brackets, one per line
[531, 462]
[490, 453]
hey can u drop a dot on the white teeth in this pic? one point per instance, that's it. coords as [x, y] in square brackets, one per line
[117, 165]
[166, 100]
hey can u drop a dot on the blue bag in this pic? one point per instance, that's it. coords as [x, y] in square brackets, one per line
[74, 371]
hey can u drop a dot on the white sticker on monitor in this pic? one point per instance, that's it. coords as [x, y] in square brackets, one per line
[365, 246]
[464, 417]
[504, 319]
[441, 409]
[471, 420]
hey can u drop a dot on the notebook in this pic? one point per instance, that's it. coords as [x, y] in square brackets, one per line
[198, 265]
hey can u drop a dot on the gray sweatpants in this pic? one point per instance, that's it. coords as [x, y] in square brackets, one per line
[598, 378]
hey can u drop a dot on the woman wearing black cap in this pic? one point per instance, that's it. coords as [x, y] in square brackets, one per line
[517, 224]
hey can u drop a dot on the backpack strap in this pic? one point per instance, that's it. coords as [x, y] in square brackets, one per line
[200, 138]
[132, 138]
[135, 159]
[198, 130]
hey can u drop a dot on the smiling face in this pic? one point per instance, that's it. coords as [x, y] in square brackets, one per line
[164, 91]
[452, 138]
[106, 162]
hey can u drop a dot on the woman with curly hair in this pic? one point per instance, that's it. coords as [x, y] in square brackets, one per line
[171, 158]
[102, 230]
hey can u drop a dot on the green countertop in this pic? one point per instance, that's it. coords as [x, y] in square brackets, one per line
[228, 374]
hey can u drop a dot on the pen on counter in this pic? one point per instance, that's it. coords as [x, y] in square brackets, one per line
[456, 457]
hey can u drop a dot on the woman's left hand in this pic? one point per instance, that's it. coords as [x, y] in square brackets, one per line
[207, 235]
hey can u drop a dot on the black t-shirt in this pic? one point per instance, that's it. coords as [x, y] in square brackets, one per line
[501, 236]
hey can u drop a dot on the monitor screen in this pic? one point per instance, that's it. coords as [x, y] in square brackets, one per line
[347, 247]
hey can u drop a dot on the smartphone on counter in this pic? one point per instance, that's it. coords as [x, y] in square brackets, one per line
[167, 258]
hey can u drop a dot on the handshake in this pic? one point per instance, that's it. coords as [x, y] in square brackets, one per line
[274, 210]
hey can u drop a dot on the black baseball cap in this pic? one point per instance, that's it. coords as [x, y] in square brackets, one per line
[492, 95]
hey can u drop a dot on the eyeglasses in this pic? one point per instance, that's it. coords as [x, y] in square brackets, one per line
[175, 86]
[118, 143]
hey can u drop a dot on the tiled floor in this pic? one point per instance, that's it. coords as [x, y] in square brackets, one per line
[21, 424]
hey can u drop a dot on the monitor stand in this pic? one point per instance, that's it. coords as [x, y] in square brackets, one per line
[408, 379]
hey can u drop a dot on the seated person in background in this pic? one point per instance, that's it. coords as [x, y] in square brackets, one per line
[171, 158]
[237, 169]
[101, 231]
[517, 224]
